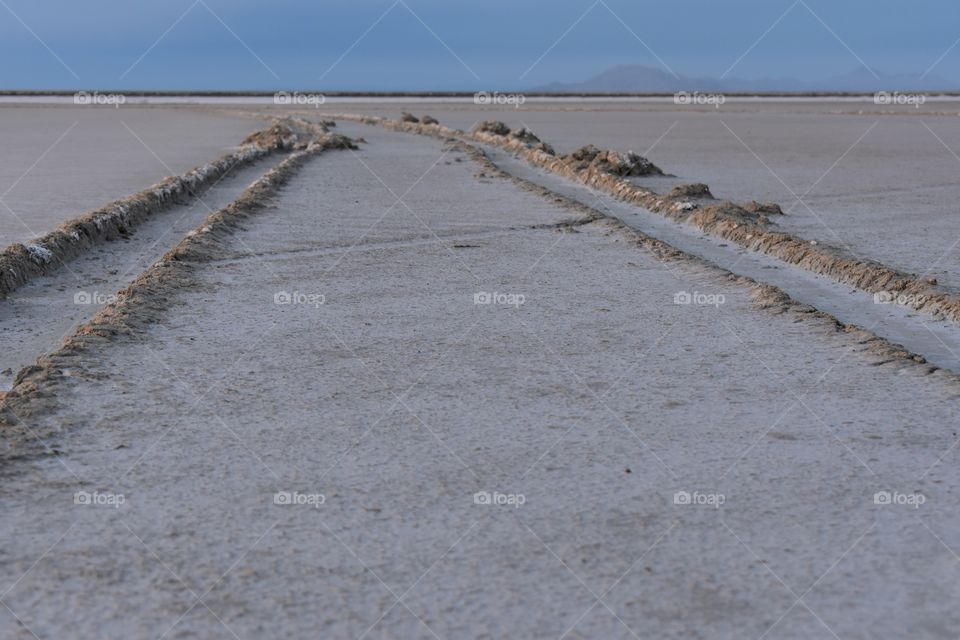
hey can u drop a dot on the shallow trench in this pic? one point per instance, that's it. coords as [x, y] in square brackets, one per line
[936, 340]
[35, 318]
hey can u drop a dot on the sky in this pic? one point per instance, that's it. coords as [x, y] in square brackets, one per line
[459, 45]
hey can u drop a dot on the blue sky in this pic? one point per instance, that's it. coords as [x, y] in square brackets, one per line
[457, 44]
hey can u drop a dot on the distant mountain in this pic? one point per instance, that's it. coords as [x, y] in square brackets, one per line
[640, 79]
[632, 79]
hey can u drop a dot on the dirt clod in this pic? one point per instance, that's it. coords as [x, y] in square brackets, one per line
[696, 190]
[525, 135]
[770, 208]
[494, 127]
[276, 137]
[612, 162]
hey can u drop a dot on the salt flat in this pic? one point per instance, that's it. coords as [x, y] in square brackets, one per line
[839, 167]
[879, 182]
[36, 318]
[306, 438]
[61, 161]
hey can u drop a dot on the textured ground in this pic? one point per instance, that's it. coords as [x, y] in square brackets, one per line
[384, 388]
[877, 181]
[59, 162]
[35, 318]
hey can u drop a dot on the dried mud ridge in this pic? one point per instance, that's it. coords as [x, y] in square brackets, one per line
[142, 303]
[765, 297]
[20, 263]
[747, 225]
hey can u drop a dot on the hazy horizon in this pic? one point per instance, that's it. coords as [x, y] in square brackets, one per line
[427, 45]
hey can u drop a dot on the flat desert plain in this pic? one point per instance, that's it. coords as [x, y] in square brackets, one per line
[337, 372]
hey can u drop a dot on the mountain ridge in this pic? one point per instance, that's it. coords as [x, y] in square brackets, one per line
[643, 79]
